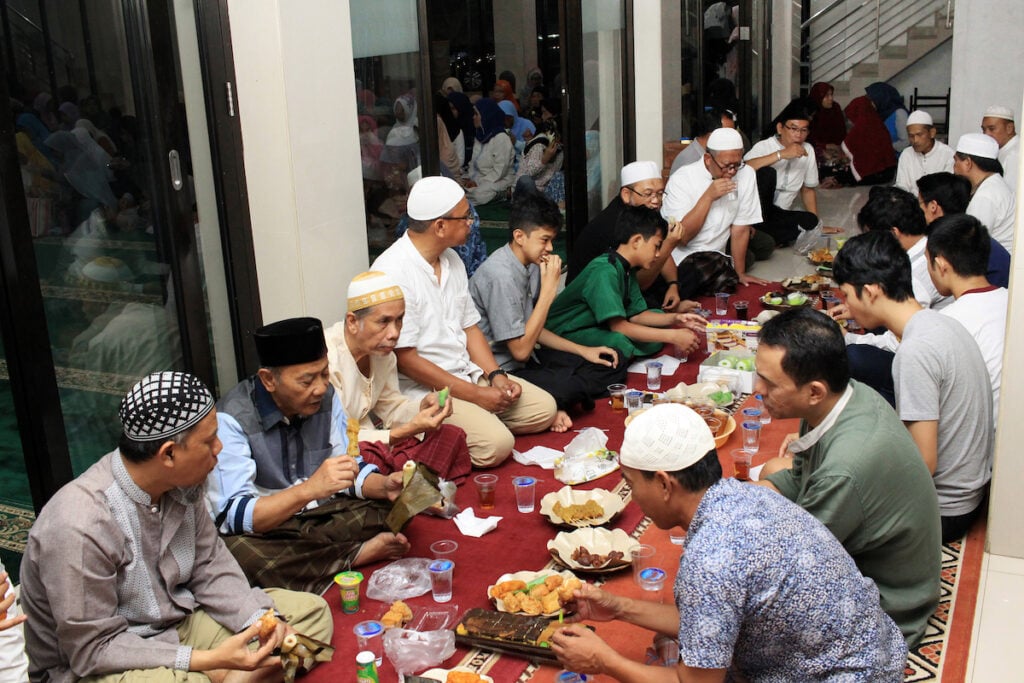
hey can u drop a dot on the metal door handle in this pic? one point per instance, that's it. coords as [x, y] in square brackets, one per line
[175, 164]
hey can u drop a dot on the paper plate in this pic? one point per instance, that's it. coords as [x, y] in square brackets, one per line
[442, 674]
[526, 577]
[567, 495]
[597, 540]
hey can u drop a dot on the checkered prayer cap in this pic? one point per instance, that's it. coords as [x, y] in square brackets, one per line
[667, 438]
[164, 404]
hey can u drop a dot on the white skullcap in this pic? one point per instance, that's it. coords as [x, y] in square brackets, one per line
[371, 288]
[978, 145]
[432, 197]
[998, 112]
[107, 269]
[639, 171]
[722, 139]
[920, 118]
[667, 438]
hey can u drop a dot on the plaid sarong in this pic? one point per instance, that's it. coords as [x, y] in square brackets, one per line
[444, 451]
[305, 552]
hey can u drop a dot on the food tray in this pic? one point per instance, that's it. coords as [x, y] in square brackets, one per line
[596, 540]
[527, 577]
[441, 675]
[567, 495]
[531, 626]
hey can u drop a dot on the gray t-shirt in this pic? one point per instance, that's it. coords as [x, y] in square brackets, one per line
[939, 374]
[691, 153]
[504, 290]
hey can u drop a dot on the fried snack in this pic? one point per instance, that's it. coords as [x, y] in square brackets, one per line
[573, 514]
[552, 582]
[550, 603]
[512, 601]
[507, 587]
[463, 677]
[822, 255]
[399, 614]
[530, 606]
[568, 587]
[268, 623]
[539, 591]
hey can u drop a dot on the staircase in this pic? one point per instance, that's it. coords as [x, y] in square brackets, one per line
[854, 44]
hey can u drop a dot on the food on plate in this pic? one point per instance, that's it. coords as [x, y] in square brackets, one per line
[585, 558]
[463, 677]
[398, 615]
[573, 514]
[807, 283]
[779, 299]
[796, 299]
[268, 623]
[503, 626]
[543, 595]
[822, 255]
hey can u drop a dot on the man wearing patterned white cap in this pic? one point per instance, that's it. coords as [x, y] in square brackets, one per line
[440, 344]
[640, 184]
[758, 583]
[924, 155]
[997, 123]
[364, 372]
[715, 201]
[124, 575]
[992, 201]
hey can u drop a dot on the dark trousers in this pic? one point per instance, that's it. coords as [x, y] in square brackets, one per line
[873, 366]
[782, 224]
[570, 379]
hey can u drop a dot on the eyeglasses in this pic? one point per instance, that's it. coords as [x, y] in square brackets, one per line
[468, 218]
[799, 131]
[647, 195]
[728, 167]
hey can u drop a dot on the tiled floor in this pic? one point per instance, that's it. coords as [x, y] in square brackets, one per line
[999, 617]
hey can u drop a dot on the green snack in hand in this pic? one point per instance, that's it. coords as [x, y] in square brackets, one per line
[442, 396]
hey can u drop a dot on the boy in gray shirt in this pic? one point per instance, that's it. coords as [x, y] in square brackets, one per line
[943, 393]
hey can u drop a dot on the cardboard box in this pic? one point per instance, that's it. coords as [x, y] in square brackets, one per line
[710, 371]
[732, 335]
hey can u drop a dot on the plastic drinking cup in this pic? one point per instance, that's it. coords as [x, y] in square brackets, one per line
[617, 392]
[642, 557]
[634, 401]
[652, 581]
[485, 486]
[722, 303]
[370, 636]
[441, 580]
[654, 375]
[677, 535]
[526, 493]
[751, 436]
[443, 549]
[741, 463]
[741, 309]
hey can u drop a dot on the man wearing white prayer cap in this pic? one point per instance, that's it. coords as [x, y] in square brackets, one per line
[640, 184]
[364, 372]
[992, 200]
[440, 344]
[715, 202]
[997, 123]
[924, 155]
[758, 582]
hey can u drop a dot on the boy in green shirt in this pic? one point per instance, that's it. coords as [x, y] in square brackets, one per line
[604, 306]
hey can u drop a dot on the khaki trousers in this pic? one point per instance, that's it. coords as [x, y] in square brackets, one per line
[489, 435]
[306, 613]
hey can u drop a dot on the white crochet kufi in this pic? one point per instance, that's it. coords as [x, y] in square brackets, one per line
[667, 438]
[432, 197]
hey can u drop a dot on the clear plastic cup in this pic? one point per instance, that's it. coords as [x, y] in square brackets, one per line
[634, 401]
[741, 463]
[443, 549]
[642, 557]
[652, 581]
[441, 580]
[752, 436]
[370, 637]
[526, 493]
[722, 303]
[485, 487]
[741, 309]
[617, 394]
[654, 375]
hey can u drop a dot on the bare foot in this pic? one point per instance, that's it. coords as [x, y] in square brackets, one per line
[383, 546]
[562, 422]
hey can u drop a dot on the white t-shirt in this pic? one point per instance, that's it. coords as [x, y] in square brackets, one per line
[924, 288]
[993, 205]
[685, 188]
[983, 314]
[1009, 157]
[436, 315]
[913, 165]
[791, 174]
[13, 664]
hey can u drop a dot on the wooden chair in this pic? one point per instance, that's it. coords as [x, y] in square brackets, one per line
[940, 102]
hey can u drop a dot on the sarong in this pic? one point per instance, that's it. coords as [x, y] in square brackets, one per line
[444, 451]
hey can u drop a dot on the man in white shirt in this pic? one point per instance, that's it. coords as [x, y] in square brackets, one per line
[924, 155]
[705, 124]
[957, 252]
[992, 202]
[441, 345]
[997, 123]
[786, 166]
[715, 201]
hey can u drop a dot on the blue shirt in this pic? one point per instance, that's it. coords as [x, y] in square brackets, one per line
[234, 484]
[766, 589]
[998, 265]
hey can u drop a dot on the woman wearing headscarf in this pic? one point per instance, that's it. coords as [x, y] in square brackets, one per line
[503, 91]
[868, 145]
[534, 79]
[45, 108]
[889, 103]
[450, 85]
[401, 147]
[464, 116]
[369, 147]
[828, 129]
[519, 128]
[542, 160]
[450, 145]
[491, 172]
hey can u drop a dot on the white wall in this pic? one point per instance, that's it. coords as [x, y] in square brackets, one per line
[784, 71]
[930, 75]
[293, 64]
[647, 82]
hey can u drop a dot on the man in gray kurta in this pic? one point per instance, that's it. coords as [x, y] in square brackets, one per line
[124, 575]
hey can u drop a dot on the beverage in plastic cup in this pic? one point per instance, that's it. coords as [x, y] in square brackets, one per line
[741, 463]
[752, 415]
[485, 485]
[732, 196]
[677, 535]
[443, 549]
[722, 303]
[653, 375]
[441, 580]
[348, 583]
[681, 354]
[652, 581]
[714, 424]
[634, 401]
[526, 492]
[741, 309]
[766, 417]
[617, 392]
[752, 436]
[370, 637]
[642, 557]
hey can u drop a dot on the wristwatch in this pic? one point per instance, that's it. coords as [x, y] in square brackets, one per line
[494, 373]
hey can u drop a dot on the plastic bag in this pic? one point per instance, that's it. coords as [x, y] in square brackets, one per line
[447, 508]
[400, 580]
[586, 458]
[411, 651]
[809, 240]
